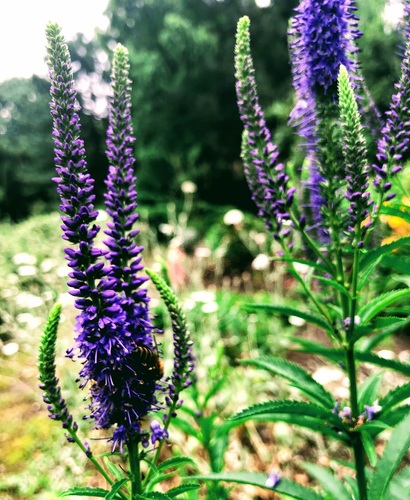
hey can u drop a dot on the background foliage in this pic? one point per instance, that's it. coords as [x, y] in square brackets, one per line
[185, 112]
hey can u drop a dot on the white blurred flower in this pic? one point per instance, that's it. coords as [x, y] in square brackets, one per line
[301, 268]
[261, 262]
[202, 252]
[27, 271]
[10, 349]
[209, 307]
[32, 322]
[65, 299]
[166, 229]
[26, 299]
[188, 304]
[325, 375]
[48, 264]
[6, 293]
[188, 187]
[12, 278]
[24, 258]
[233, 217]
[203, 296]
[260, 238]
[62, 271]
[296, 321]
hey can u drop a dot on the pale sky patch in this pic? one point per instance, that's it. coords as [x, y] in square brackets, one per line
[22, 26]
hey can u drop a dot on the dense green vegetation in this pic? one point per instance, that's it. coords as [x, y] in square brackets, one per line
[185, 112]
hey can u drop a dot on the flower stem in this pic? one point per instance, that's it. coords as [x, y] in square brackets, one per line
[135, 469]
[356, 436]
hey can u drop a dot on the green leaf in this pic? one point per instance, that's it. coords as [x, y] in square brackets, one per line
[115, 488]
[395, 396]
[85, 492]
[393, 416]
[371, 256]
[396, 263]
[381, 328]
[379, 304]
[334, 284]
[401, 211]
[285, 486]
[176, 463]
[338, 356]
[288, 311]
[329, 482]
[399, 485]
[182, 488]
[365, 275]
[393, 364]
[309, 263]
[316, 424]
[396, 447]
[369, 390]
[153, 495]
[113, 469]
[291, 408]
[353, 486]
[368, 445]
[297, 376]
[215, 388]
[186, 427]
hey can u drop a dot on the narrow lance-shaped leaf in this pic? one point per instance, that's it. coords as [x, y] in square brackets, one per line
[310, 317]
[395, 396]
[284, 486]
[397, 446]
[298, 377]
[329, 482]
[379, 304]
[290, 407]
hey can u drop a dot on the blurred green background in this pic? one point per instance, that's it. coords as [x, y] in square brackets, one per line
[184, 106]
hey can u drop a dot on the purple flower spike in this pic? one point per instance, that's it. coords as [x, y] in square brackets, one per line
[121, 202]
[395, 138]
[266, 177]
[114, 333]
[322, 37]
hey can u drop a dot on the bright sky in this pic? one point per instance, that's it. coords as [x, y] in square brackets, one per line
[22, 26]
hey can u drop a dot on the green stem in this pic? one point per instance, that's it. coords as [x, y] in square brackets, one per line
[94, 461]
[322, 310]
[356, 436]
[134, 460]
[312, 245]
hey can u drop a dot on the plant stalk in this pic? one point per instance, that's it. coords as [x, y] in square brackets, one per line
[358, 449]
[135, 469]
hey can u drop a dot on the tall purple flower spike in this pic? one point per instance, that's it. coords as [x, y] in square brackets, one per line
[322, 37]
[266, 176]
[395, 137]
[109, 328]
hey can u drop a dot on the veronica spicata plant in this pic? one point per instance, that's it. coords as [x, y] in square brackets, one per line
[129, 396]
[348, 191]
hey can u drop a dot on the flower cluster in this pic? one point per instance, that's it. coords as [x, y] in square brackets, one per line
[266, 177]
[114, 332]
[395, 135]
[328, 116]
[184, 360]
